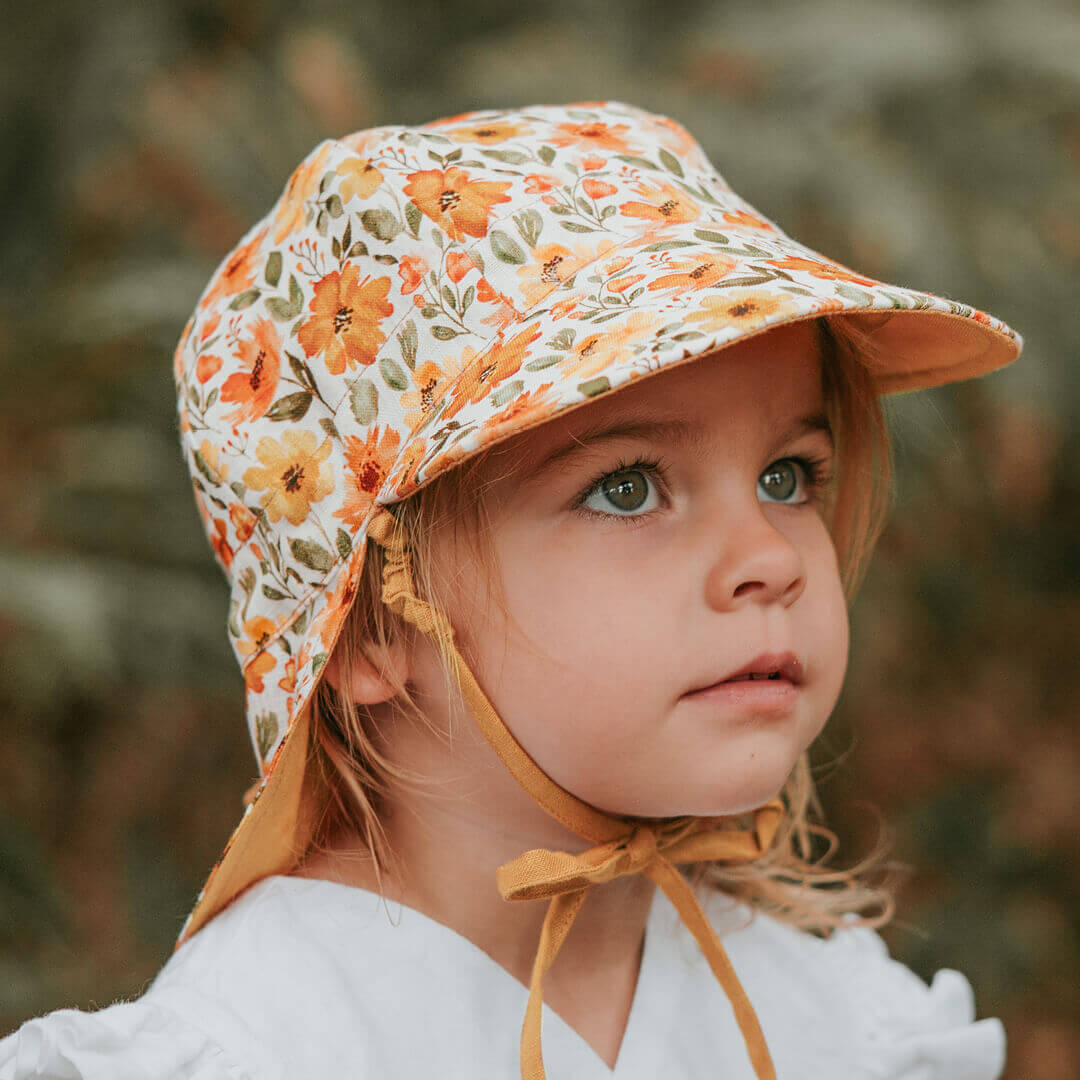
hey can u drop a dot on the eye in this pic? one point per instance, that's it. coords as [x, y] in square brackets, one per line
[788, 480]
[629, 491]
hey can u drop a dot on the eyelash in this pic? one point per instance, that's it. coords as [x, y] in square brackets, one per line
[815, 469]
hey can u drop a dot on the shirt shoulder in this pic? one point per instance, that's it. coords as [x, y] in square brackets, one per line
[848, 989]
[136, 1040]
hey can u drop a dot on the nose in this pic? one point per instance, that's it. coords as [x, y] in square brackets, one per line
[756, 563]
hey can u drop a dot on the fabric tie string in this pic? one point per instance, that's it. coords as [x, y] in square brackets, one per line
[622, 847]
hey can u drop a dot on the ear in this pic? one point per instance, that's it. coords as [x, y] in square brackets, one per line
[368, 684]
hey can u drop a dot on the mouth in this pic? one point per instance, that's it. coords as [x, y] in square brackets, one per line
[768, 667]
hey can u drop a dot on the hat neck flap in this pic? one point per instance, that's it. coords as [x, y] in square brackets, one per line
[623, 846]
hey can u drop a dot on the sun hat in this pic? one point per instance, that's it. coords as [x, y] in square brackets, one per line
[418, 294]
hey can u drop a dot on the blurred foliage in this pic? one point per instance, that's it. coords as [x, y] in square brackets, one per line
[937, 145]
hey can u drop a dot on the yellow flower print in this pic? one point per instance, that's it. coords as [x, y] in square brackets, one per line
[488, 134]
[295, 474]
[597, 352]
[361, 178]
[211, 456]
[740, 307]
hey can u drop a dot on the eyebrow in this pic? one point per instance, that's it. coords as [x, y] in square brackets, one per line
[680, 433]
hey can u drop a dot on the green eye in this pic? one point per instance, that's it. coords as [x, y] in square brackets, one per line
[626, 490]
[780, 481]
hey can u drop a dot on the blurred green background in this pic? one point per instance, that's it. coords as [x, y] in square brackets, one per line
[933, 144]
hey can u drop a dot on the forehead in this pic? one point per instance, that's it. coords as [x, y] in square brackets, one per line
[765, 380]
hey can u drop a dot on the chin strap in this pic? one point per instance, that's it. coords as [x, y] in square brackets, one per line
[622, 846]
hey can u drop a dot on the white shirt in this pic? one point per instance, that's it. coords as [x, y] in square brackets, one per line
[304, 979]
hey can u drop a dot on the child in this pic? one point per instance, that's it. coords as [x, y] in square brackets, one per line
[534, 642]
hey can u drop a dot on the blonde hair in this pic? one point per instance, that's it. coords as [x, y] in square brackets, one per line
[791, 880]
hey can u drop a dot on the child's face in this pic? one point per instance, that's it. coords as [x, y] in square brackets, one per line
[681, 576]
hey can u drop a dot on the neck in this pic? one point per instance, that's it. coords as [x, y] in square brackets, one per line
[447, 840]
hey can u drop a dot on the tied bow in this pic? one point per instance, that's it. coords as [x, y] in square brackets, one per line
[650, 848]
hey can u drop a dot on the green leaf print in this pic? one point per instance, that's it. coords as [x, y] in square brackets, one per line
[271, 593]
[391, 371]
[413, 217]
[506, 248]
[244, 300]
[671, 162]
[546, 154]
[594, 386]
[381, 223]
[290, 407]
[312, 555]
[543, 362]
[273, 269]
[266, 732]
[344, 543]
[407, 339]
[364, 401]
[507, 393]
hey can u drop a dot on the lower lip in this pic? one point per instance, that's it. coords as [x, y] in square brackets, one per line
[761, 695]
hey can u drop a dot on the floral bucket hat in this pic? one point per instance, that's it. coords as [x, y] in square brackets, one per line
[419, 294]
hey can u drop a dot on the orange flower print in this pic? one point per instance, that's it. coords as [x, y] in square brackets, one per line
[368, 462]
[243, 521]
[206, 367]
[620, 285]
[459, 205]
[339, 597]
[597, 189]
[361, 178]
[595, 136]
[504, 314]
[553, 264]
[664, 204]
[523, 409]
[489, 368]
[745, 220]
[620, 262]
[406, 471]
[254, 386]
[209, 327]
[457, 266]
[411, 270]
[303, 184]
[591, 163]
[418, 403]
[678, 138]
[256, 669]
[220, 545]
[238, 273]
[537, 184]
[258, 632]
[488, 134]
[294, 475]
[741, 307]
[697, 273]
[597, 352]
[827, 270]
[288, 684]
[346, 316]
